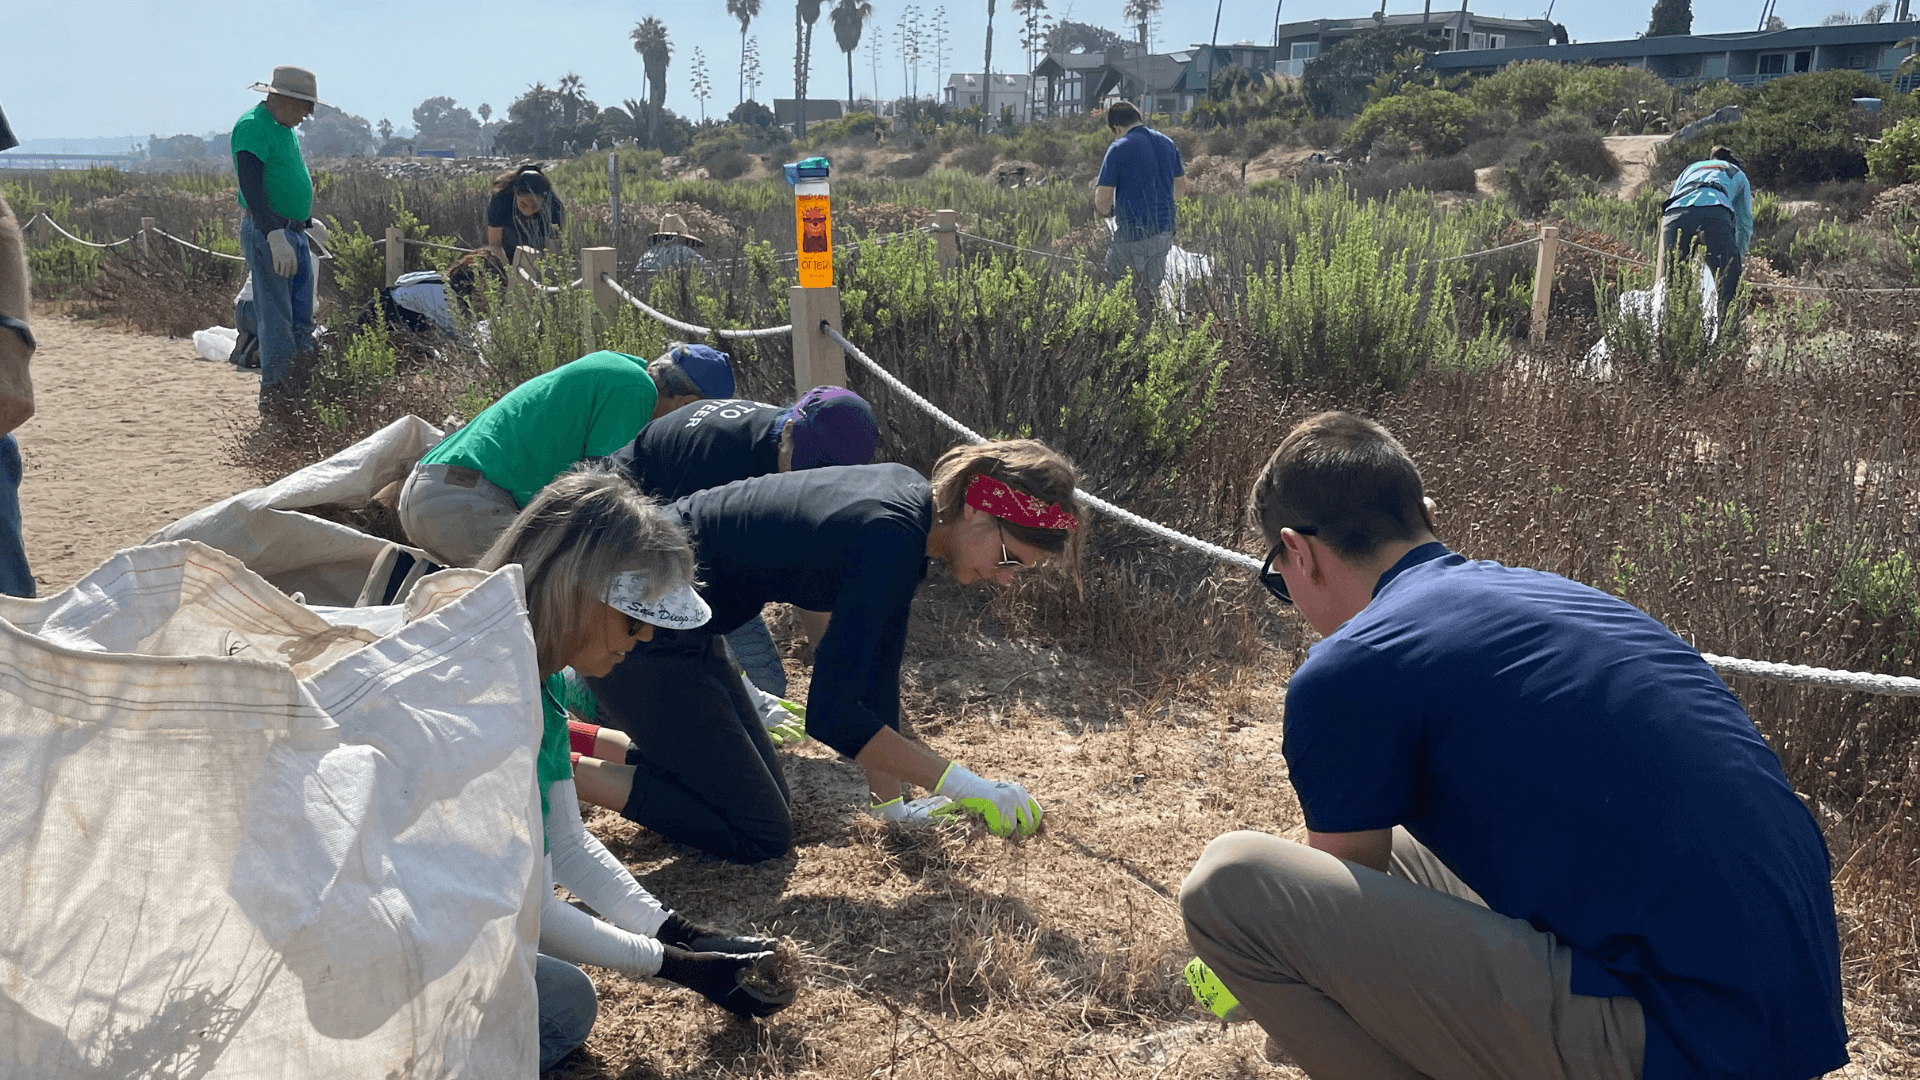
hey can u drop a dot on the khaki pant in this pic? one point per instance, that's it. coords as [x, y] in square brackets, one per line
[454, 513]
[1405, 975]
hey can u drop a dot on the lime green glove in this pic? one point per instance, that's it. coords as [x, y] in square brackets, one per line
[933, 808]
[1212, 994]
[789, 728]
[1006, 808]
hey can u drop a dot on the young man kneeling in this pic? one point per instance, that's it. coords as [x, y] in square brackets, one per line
[1544, 840]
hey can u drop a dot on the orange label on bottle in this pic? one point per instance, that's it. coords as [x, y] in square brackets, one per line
[814, 222]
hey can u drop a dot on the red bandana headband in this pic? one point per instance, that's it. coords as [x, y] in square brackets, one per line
[996, 498]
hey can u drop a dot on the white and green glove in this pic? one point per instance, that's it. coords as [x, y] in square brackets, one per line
[1212, 995]
[1006, 808]
[925, 811]
[785, 721]
[286, 261]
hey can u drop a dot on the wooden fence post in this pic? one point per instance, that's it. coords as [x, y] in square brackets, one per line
[396, 256]
[817, 358]
[946, 233]
[594, 263]
[146, 230]
[526, 258]
[1543, 282]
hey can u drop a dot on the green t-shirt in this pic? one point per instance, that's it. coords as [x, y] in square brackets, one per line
[555, 762]
[289, 188]
[588, 408]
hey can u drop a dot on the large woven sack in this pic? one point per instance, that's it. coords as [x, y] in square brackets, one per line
[238, 840]
[270, 530]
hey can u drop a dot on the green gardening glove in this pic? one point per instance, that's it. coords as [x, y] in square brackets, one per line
[789, 729]
[1212, 994]
[1006, 808]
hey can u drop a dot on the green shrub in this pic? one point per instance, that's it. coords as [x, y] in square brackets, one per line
[1433, 120]
[1895, 159]
[1556, 164]
[1887, 588]
[1711, 97]
[359, 263]
[1795, 132]
[978, 159]
[63, 262]
[1595, 94]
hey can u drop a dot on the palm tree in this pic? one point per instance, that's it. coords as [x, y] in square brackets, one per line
[807, 12]
[986, 64]
[650, 41]
[849, 19]
[746, 11]
[1141, 13]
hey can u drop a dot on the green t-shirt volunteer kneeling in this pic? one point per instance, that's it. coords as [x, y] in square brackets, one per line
[543, 427]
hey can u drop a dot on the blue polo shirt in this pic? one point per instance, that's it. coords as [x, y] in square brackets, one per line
[1583, 769]
[1140, 167]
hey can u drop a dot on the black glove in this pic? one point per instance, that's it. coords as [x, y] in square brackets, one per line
[698, 937]
[719, 977]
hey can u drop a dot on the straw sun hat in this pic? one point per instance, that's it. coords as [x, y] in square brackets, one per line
[293, 82]
[674, 227]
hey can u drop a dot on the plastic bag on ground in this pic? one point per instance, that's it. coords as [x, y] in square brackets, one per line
[215, 342]
[242, 841]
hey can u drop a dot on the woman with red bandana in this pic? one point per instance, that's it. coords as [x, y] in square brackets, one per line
[855, 541]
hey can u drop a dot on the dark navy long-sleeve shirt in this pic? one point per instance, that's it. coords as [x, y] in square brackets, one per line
[711, 442]
[849, 539]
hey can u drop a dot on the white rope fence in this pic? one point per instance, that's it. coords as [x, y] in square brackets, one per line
[197, 247]
[1867, 682]
[689, 328]
[55, 226]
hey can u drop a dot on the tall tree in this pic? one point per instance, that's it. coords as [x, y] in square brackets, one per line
[1670, 17]
[986, 64]
[805, 14]
[752, 69]
[386, 129]
[746, 11]
[1031, 32]
[1069, 36]
[650, 41]
[702, 82]
[849, 20]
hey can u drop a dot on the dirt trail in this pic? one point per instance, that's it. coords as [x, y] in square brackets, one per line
[131, 431]
[1635, 154]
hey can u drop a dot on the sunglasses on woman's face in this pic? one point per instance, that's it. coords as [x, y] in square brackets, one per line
[1007, 561]
[1270, 577]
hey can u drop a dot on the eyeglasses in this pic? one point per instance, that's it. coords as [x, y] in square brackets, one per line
[1270, 577]
[634, 625]
[1007, 561]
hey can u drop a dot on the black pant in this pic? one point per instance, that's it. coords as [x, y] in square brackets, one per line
[1709, 228]
[704, 770]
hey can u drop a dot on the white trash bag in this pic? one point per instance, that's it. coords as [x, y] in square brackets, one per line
[215, 342]
[242, 841]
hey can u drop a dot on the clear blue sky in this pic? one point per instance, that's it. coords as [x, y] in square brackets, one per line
[116, 67]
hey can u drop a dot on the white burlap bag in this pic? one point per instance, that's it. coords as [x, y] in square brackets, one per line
[240, 841]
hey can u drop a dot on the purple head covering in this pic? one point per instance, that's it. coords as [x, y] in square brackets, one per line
[832, 426]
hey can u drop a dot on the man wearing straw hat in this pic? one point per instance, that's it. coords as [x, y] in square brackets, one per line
[276, 218]
[673, 246]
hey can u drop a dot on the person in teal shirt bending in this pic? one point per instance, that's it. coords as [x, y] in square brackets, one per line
[1711, 209]
[466, 490]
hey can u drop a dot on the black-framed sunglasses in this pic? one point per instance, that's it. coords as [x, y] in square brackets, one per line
[1007, 561]
[1270, 577]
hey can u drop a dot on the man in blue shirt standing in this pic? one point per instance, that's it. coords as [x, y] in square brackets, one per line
[1139, 179]
[1711, 208]
[1543, 838]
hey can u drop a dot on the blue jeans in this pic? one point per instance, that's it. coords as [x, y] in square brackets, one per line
[567, 1008]
[15, 578]
[282, 311]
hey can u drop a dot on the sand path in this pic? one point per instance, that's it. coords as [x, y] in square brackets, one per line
[131, 431]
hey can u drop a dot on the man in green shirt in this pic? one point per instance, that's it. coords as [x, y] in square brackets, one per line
[466, 490]
[276, 215]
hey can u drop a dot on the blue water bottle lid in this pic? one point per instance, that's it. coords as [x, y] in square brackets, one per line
[813, 168]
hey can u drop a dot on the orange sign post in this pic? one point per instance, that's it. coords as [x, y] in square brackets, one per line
[817, 358]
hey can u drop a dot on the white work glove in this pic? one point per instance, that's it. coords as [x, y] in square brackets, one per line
[286, 261]
[917, 811]
[1006, 808]
[785, 721]
[317, 230]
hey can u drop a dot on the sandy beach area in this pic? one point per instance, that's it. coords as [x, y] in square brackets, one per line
[131, 431]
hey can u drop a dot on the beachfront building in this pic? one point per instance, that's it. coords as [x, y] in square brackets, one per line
[1747, 59]
[1298, 43]
[1087, 82]
[992, 95]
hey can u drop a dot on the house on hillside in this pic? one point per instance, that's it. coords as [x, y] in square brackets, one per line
[1452, 31]
[968, 92]
[1086, 82]
[818, 109]
[1747, 59]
